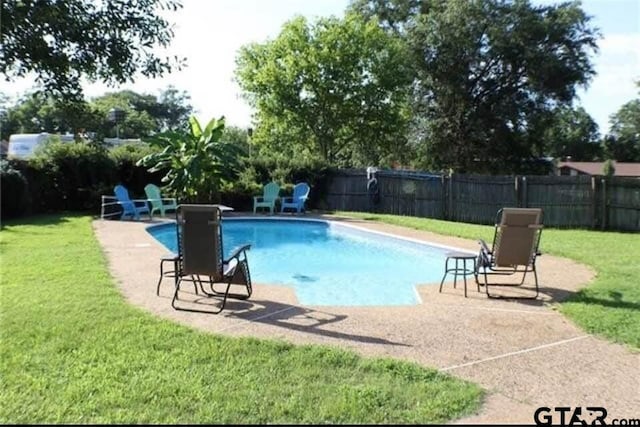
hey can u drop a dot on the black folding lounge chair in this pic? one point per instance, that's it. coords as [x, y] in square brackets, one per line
[200, 260]
[514, 251]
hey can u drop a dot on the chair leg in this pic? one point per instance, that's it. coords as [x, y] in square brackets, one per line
[475, 274]
[535, 275]
[455, 275]
[446, 270]
[175, 294]
[194, 310]
[159, 280]
[464, 276]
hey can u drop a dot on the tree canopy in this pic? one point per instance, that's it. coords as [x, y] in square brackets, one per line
[487, 73]
[143, 114]
[623, 142]
[334, 88]
[572, 133]
[62, 41]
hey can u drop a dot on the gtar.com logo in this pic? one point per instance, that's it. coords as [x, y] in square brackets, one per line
[567, 416]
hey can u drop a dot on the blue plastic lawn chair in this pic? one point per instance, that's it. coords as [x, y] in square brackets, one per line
[296, 202]
[132, 208]
[270, 194]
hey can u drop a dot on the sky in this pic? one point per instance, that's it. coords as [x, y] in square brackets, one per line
[209, 34]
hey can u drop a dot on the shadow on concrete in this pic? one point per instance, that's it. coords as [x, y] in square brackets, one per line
[305, 320]
[293, 317]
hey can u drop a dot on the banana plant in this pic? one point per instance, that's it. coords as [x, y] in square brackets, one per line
[196, 162]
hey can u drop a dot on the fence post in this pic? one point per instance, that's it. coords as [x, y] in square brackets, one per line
[525, 202]
[594, 202]
[604, 203]
[516, 190]
[450, 197]
[443, 200]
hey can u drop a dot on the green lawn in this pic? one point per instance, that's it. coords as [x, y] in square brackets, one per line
[73, 351]
[609, 306]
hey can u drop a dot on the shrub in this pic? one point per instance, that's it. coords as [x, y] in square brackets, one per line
[258, 171]
[13, 190]
[71, 176]
[127, 173]
[197, 163]
[608, 169]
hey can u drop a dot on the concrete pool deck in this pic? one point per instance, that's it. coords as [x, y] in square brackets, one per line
[523, 353]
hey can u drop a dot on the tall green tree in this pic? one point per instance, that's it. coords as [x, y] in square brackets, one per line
[174, 109]
[487, 72]
[36, 112]
[136, 122]
[143, 114]
[239, 137]
[623, 142]
[334, 88]
[572, 132]
[61, 41]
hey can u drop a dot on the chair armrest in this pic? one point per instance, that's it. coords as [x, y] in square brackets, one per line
[168, 199]
[484, 247]
[286, 199]
[237, 251]
[257, 198]
[484, 257]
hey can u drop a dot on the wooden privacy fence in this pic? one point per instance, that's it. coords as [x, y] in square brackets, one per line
[584, 201]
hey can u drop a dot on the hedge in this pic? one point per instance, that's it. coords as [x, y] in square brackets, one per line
[74, 176]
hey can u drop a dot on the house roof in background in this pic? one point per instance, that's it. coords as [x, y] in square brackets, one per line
[596, 168]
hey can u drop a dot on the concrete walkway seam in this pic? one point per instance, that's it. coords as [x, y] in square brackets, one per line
[514, 353]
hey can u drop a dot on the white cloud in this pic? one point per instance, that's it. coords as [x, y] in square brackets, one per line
[618, 67]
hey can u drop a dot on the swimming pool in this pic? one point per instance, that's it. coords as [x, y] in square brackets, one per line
[329, 263]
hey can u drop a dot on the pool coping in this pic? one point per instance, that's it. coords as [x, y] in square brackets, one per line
[525, 354]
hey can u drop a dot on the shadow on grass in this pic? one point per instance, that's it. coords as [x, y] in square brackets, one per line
[615, 301]
[40, 219]
[549, 294]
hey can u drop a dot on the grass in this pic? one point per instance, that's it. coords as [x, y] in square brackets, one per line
[73, 351]
[609, 306]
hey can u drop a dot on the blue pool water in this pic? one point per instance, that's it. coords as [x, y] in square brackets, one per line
[328, 263]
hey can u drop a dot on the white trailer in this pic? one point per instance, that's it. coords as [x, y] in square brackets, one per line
[23, 145]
